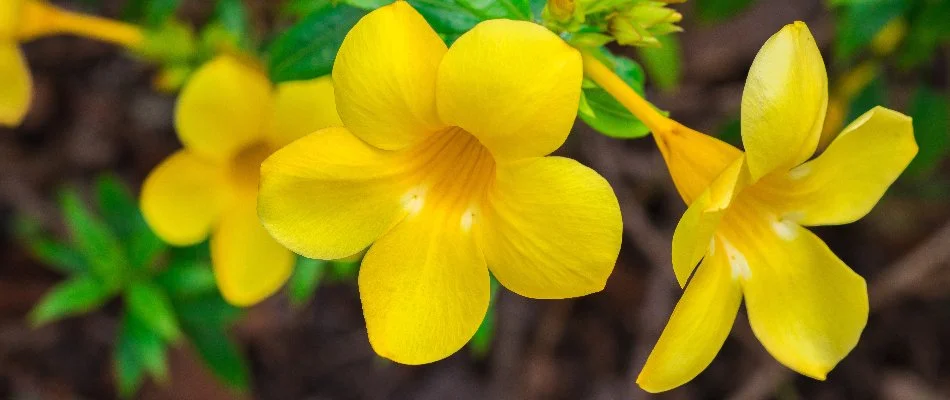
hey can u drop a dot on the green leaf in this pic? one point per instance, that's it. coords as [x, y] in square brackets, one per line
[859, 22]
[122, 213]
[872, 95]
[603, 112]
[931, 112]
[129, 371]
[230, 26]
[149, 304]
[304, 281]
[48, 251]
[146, 346]
[157, 12]
[664, 63]
[928, 29]
[451, 18]
[206, 310]
[480, 344]
[93, 238]
[718, 10]
[343, 270]
[73, 297]
[221, 355]
[186, 278]
[307, 49]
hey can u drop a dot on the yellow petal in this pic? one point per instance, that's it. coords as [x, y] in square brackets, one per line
[11, 12]
[384, 76]
[784, 101]
[248, 264]
[695, 230]
[806, 306]
[301, 108]
[512, 84]
[222, 108]
[700, 323]
[848, 179]
[694, 160]
[183, 196]
[424, 288]
[552, 228]
[329, 195]
[16, 92]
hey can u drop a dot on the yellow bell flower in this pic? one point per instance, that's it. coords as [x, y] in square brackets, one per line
[747, 212]
[22, 20]
[442, 168]
[229, 119]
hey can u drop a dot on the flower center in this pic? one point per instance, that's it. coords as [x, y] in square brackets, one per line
[245, 168]
[449, 174]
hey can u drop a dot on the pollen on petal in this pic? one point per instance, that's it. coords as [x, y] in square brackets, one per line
[468, 219]
[785, 229]
[800, 172]
[737, 260]
[414, 200]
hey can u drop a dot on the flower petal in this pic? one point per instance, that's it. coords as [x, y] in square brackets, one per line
[850, 177]
[384, 76]
[222, 108]
[16, 92]
[700, 323]
[784, 101]
[552, 228]
[695, 230]
[694, 159]
[183, 197]
[424, 288]
[301, 108]
[249, 265]
[512, 84]
[806, 306]
[329, 195]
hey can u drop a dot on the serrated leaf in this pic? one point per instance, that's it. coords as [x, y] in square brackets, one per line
[303, 283]
[603, 112]
[121, 212]
[931, 112]
[184, 279]
[664, 63]
[73, 297]
[149, 304]
[307, 49]
[48, 251]
[146, 346]
[95, 241]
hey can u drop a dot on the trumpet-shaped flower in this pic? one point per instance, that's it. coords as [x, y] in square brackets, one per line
[22, 20]
[229, 119]
[442, 168]
[746, 216]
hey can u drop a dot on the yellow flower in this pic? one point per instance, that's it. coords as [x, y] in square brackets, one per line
[746, 216]
[442, 168]
[22, 20]
[229, 119]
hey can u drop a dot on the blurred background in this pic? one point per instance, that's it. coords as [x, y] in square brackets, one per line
[69, 176]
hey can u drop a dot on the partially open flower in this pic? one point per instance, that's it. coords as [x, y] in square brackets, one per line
[229, 119]
[442, 169]
[746, 216]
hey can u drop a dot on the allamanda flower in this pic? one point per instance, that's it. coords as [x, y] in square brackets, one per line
[23, 20]
[229, 119]
[442, 164]
[746, 216]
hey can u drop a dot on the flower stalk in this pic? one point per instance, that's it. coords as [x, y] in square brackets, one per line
[42, 19]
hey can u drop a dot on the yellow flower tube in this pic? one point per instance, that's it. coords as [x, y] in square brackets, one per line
[229, 119]
[442, 171]
[23, 20]
[747, 213]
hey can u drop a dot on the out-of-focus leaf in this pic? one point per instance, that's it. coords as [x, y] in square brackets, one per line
[184, 279]
[860, 21]
[146, 346]
[451, 18]
[928, 29]
[304, 281]
[731, 132]
[931, 112]
[122, 213]
[73, 297]
[129, 371]
[664, 63]
[48, 251]
[206, 310]
[603, 112]
[157, 12]
[718, 10]
[221, 355]
[307, 49]
[343, 270]
[480, 344]
[872, 95]
[93, 238]
[231, 19]
[149, 304]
